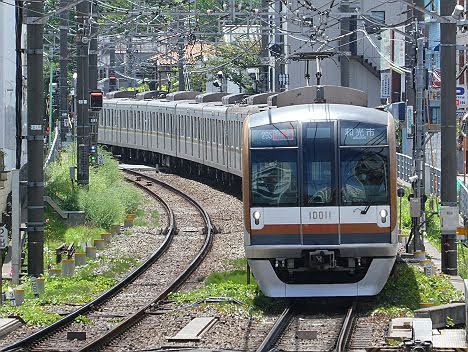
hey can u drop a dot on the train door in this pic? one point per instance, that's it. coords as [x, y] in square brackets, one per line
[319, 206]
[364, 183]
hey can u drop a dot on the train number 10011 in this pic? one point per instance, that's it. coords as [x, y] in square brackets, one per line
[320, 215]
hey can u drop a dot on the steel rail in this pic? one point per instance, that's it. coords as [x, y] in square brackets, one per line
[140, 314]
[42, 334]
[285, 318]
[278, 328]
[345, 331]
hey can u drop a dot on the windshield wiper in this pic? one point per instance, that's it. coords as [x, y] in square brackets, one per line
[363, 212]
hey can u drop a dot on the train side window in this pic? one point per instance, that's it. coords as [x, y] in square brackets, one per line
[274, 178]
[318, 164]
[181, 125]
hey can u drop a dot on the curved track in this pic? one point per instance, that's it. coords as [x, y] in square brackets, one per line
[174, 285]
[48, 339]
[338, 326]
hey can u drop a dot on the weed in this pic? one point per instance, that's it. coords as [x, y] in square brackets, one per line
[108, 197]
[408, 287]
[83, 320]
[89, 281]
[155, 218]
[232, 284]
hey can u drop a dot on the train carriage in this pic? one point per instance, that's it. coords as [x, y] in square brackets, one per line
[319, 179]
[320, 199]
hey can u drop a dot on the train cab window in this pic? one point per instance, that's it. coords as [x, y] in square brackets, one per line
[274, 171]
[318, 164]
[364, 176]
[274, 178]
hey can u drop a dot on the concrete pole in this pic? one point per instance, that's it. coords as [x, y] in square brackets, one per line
[112, 82]
[64, 125]
[35, 96]
[181, 56]
[344, 44]
[265, 54]
[418, 147]
[82, 94]
[449, 209]
[93, 77]
[279, 39]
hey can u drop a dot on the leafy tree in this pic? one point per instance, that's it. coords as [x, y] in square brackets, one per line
[233, 60]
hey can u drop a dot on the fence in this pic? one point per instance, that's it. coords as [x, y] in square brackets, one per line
[463, 201]
[433, 175]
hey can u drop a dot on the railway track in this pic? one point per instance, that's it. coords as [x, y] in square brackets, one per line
[298, 329]
[118, 309]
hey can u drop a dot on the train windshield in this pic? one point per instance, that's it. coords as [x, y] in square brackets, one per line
[274, 178]
[319, 164]
[364, 176]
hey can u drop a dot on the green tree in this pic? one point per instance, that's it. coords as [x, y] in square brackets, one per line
[233, 60]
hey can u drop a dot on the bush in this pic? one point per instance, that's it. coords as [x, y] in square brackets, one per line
[108, 197]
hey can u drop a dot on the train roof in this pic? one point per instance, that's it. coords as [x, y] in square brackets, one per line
[325, 112]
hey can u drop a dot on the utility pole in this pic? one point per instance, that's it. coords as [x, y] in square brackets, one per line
[111, 72]
[279, 43]
[410, 49]
[417, 210]
[64, 125]
[449, 208]
[181, 56]
[265, 54]
[344, 43]
[93, 77]
[130, 63]
[35, 91]
[82, 94]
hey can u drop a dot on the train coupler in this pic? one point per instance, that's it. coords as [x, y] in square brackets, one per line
[323, 259]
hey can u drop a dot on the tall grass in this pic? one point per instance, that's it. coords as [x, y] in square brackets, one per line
[106, 200]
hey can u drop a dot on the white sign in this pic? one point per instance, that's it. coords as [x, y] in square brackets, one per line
[409, 120]
[461, 97]
[385, 84]
[3, 237]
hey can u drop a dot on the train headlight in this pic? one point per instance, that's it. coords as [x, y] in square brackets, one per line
[256, 215]
[383, 215]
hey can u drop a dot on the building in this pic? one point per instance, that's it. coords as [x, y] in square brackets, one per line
[360, 49]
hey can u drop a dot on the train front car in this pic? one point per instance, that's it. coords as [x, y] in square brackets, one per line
[320, 200]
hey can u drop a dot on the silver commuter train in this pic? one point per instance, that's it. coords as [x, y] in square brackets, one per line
[348, 252]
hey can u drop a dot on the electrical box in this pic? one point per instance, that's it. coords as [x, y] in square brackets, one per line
[415, 207]
[449, 218]
[96, 100]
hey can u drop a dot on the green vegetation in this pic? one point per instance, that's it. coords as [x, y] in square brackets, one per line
[233, 284]
[89, 281]
[233, 61]
[432, 230]
[408, 288]
[57, 232]
[107, 200]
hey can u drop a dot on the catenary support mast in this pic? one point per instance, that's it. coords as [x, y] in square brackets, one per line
[449, 209]
[35, 91]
